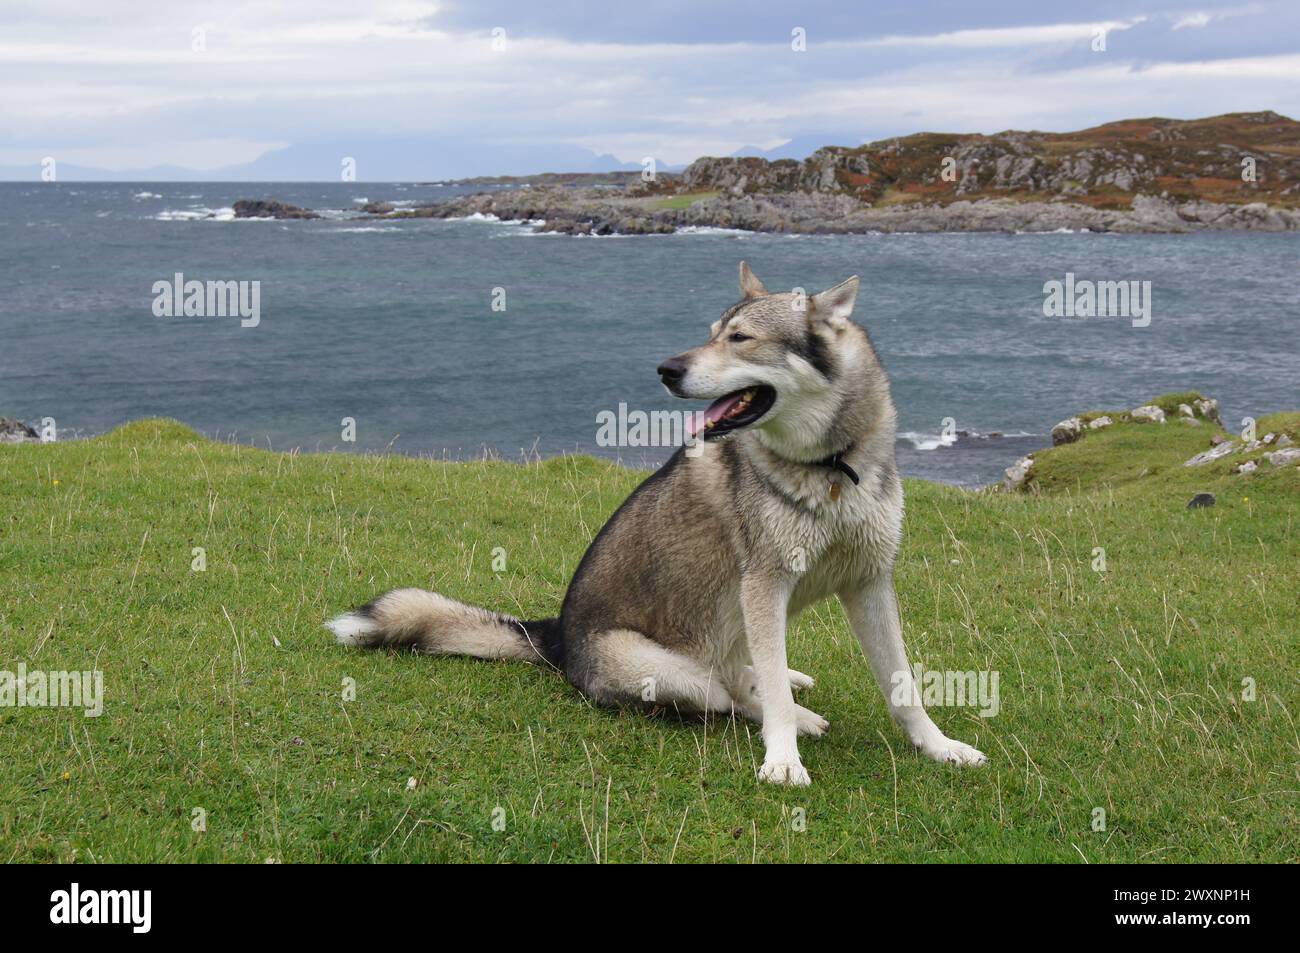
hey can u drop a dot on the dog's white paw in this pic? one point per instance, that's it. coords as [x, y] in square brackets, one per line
[799, 681]
[951, 751]
[784, 772]
[810, 723]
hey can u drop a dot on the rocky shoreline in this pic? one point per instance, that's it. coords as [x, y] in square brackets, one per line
[597, 212]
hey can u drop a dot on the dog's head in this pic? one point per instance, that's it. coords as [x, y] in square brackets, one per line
[771, 360]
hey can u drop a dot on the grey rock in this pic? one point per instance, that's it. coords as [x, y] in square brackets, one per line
[270, 208]
[1067, 431]
[1282, 458]
[1215, 453]
[1148, 412]
[13, 430]
[1018, 473]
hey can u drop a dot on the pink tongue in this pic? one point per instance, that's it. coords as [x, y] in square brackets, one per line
[717, 410]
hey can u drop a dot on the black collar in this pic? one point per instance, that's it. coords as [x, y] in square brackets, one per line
[836, 462]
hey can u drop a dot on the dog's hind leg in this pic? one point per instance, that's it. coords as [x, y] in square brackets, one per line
[628, 667]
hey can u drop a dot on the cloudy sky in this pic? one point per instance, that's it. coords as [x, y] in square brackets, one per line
[133, 84]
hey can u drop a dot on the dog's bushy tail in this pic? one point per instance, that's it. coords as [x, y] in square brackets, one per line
[437, 625]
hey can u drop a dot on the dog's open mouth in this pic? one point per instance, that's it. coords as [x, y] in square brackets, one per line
[731, 412]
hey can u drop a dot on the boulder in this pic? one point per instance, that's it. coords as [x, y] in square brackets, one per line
[13, 430]
[1186, 411]
[1282, 458]
[1209, 408]
[1148, 412]
[1099, 423]
[1018, 473]
[1250, 466]
[1214, 453]
[1067, 431]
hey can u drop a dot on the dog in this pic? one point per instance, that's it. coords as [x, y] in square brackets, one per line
[790, 495]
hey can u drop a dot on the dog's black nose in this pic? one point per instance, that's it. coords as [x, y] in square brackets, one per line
[672, 370]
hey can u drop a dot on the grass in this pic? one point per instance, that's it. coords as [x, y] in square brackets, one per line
[1120, 690]
[686, 200]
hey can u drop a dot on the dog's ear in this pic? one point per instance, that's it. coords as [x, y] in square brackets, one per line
[750, 286]
[834, 305]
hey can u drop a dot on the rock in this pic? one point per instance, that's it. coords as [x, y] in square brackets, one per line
[1018, 473]
[1185, 411]
[1100, 422]
[1209, 408]
[270, 208]
[1067, 431]
[1190, 421]
[1222, 450]
[1268, 437]
[1284, 440]
[1217, 439]
[1282, 458]
[378, 208]
[1250, 466]
[1148, 412]
[13, 430]
[1200, 500]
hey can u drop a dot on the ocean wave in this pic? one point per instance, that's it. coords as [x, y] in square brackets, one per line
[937, 441]
[357, 229]
[146, 195]
[711, 230]
[197, 213]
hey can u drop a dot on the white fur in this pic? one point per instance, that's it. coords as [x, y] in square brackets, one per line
[351, 629]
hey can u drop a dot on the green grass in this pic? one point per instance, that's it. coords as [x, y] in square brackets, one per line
[1120, 690]
[685, 200]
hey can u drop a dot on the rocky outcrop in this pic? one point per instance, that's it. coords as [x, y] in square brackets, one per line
[270, 208]
[1149, 175]
[13, 430]
[1067, 431]
[605, 212]
[1017, 475]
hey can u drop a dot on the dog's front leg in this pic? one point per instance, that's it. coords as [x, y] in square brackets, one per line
[763, 601]
[873, 612]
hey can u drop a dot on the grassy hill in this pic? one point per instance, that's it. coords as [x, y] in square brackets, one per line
[1121, 690]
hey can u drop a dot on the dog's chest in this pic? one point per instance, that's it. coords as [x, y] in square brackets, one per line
[827, 538]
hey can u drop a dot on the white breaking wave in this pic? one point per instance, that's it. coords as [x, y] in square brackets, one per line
[198, 214]
[927, 441]
[936, 441]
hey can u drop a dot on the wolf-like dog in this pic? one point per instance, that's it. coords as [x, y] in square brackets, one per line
[683, 598]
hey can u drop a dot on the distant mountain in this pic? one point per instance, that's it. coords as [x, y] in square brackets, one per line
[410, 159]
[800, 147]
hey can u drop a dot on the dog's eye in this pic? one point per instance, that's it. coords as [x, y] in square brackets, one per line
[738, 337]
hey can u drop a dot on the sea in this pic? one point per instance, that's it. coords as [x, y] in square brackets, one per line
[459, 339]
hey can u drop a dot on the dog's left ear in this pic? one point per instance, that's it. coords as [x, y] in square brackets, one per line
[750, 286]
[834, 305]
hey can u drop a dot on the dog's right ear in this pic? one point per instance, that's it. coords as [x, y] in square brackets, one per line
[750, 286]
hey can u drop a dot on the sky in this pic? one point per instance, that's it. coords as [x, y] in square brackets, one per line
[435, 89]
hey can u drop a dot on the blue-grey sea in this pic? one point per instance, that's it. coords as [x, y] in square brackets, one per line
[392, 324]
